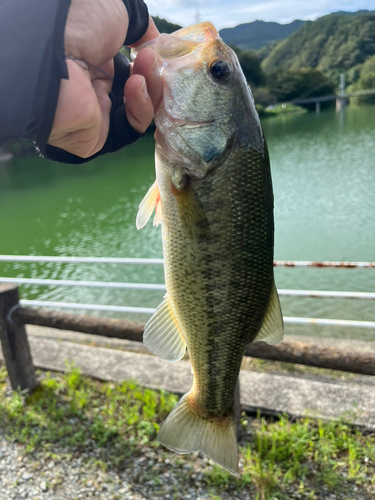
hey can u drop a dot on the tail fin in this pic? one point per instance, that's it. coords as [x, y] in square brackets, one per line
[186, 432]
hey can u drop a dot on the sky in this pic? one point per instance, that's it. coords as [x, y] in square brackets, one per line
[228, 13]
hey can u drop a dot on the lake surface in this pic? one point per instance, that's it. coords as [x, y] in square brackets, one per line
[323, 169]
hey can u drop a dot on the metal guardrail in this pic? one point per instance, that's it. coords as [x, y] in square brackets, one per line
[330, 322]
[325, 264]
[318, 294]
[88, 307]
[79, 260]
[90, 284]
[21, 370]
[161, 287]
[133, 261]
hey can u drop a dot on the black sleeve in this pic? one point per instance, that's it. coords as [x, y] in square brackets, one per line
[33, 63]
[138, 20]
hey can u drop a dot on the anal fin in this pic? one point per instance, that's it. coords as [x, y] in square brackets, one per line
[163, 335]
[272, 330]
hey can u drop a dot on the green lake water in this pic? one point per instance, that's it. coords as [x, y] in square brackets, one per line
[323, 169]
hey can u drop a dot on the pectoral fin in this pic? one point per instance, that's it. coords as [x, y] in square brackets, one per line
[163, 335]
[272, 330]
[150, 202]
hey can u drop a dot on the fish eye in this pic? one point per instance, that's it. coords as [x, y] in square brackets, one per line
[220, 70]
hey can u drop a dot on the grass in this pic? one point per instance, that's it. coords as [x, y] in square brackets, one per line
[307, 458]
[315, 455]
[80, 413]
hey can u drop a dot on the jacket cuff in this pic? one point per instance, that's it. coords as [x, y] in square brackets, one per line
[138, 20]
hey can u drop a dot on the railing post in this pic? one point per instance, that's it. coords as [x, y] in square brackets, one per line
[14, 343]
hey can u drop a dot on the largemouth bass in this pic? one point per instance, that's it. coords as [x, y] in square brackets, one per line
[213, 196]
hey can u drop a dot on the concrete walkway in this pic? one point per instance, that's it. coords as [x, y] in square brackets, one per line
[84, 338]
[269, 392]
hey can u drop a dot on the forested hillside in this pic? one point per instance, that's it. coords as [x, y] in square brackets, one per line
[258, 33]
[332, 44]
[364, 79]
[165, 26]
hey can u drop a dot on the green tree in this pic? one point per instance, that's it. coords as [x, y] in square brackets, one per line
[235, 49]
[251, 68]
[332, 44]
[366, 82]
[262, 96]
[294, 84]
[165, 26]
[368, 66]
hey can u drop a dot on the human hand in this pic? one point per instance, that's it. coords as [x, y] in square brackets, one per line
[95, 30]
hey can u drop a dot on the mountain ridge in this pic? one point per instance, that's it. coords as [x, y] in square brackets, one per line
[257, 34]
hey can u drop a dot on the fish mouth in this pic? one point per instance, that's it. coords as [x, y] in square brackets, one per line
[194, 123]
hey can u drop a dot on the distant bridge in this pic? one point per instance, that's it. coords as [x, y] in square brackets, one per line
[333, 97]
[341, 98]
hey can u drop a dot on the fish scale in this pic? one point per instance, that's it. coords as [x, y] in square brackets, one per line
[213, 195]
[220, 289]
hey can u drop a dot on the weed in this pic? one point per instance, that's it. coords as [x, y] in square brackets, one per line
[307, 454]
[81, 413]
[310, 457]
